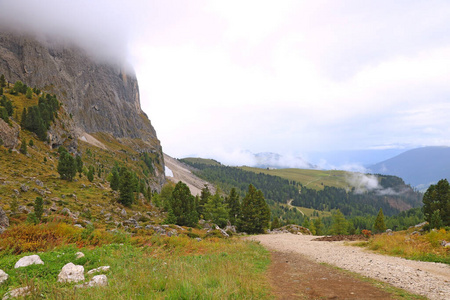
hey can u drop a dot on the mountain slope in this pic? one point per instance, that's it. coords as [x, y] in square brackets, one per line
[419, 167]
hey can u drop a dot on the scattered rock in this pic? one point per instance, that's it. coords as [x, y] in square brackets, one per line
[17, 192]
[78, 225]
[222, 231]
[421, 224]
[445, 244]
[123, 212]
[131, 222]
[71, 273]
[4, 220]
[99, 269]
[19, 292]
[39, 183]
[198, 239]
[24, 188]
[54, 207]
[294, 229]
[3, 276]
[79, 255]
[28, 260]
[98, 280]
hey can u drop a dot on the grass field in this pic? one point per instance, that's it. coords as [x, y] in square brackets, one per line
[146, 267]
[314, 179]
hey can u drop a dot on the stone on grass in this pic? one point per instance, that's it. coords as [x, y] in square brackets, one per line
[98, 280]
[79, 255]
[28, 260]
[99, 269]
[3, 276]
[19, 292]
[71, 273]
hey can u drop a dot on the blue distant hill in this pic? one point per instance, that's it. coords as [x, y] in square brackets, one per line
[418, 167]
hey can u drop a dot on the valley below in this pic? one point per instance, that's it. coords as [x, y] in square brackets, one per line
[298, 270]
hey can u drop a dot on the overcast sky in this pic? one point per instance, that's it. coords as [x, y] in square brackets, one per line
[293, 77]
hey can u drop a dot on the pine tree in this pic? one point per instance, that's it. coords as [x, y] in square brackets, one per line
[23, 148]
[114, 180]
[126, 196]
[79, 163]
[436, 221]
[29, 93]
[205, 194]
[2, 81]
[38, 208]
[67, 168]
[255, 213]
[379, 225]
[90, 174]
[319, 226]
[234, 206]
[339, 224]
[275, 224]
[182, 204]
[216, 211]
[437, 197]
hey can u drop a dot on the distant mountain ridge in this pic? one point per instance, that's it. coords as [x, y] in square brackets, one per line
[419, 167]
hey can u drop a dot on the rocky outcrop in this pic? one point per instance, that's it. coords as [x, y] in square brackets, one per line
[100, 97]
[9, 135]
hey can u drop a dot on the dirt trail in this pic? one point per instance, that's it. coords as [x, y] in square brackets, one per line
[317, 281]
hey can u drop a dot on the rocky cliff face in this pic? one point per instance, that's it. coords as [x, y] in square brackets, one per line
[100, 97]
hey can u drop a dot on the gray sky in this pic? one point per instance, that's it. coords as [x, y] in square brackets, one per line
[293, 77]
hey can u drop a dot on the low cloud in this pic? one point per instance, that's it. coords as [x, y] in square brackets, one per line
[100, 27]
[368, 183]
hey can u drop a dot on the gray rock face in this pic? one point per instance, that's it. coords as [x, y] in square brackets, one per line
[71, 273]
[101, 97]
[28, 260]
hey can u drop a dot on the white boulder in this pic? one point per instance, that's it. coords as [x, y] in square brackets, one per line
[28, 260]
[3, 276]
[99, 269]
[98, 280]
[71, 273]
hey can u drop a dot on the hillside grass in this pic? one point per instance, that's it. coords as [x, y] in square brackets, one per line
[314, 179]
[203, 161]
[424, 247]
[147, 267]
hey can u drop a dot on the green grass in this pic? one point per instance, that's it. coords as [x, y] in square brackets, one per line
[314, 179]
[164, 269]
[204, 161]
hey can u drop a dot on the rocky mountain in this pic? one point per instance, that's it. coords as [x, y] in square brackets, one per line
[99, 97]
[419, 167]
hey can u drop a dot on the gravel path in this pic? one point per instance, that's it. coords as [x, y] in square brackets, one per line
[424, 278]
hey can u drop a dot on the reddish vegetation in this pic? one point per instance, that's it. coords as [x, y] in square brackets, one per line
[334, 238]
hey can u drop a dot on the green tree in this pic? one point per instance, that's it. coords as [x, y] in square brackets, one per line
[339, 223]
[23, 148]
[437, 198]
[4, 115]
[275, 224]
[2, 81]
[126, 196]
[29, 93]
[114, 183]
[436, 221]
[234, 206]
[320, 230]
[90, 174]
[379, 225]
[205, 194]
[255, 213]
[79, 163]
[183, 207]
[216, 211]
[67, 168]
[7, 104]
[38, 208]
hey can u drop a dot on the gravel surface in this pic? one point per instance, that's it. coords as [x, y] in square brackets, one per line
[424, 278]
